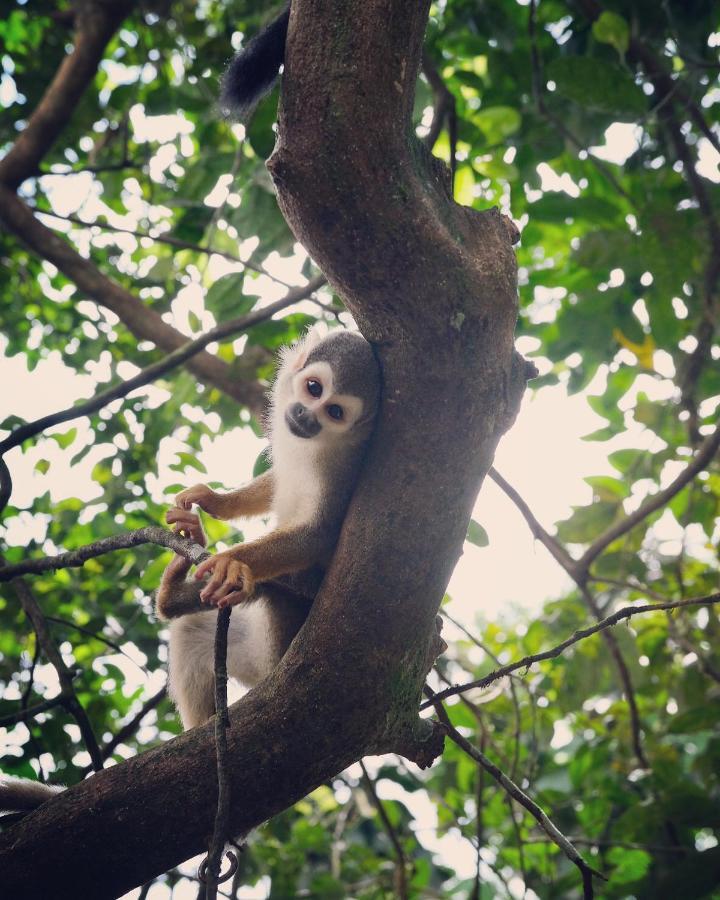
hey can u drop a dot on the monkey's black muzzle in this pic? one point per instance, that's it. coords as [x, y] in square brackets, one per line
[301, 422]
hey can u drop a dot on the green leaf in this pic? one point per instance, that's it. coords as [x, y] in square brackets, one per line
[42, 466]
[64, 440]
[630, 865]
[187, 460]
[225, 299]
[610, 28]
[497, 122]
[477, 535]
[598, 85]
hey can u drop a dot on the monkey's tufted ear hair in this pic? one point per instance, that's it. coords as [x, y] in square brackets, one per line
[295, 357]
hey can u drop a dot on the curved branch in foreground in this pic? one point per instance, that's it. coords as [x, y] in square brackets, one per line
[152, 534]
[625, 613]
[145, 376]
[550, 829]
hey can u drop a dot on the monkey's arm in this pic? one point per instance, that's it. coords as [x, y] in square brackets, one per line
[234, 572]
[175, 596]
[251, 500]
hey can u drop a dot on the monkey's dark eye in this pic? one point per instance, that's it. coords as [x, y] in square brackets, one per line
[314, 387]
[335, 412]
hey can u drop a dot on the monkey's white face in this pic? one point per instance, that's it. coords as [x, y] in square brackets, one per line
[311, 408]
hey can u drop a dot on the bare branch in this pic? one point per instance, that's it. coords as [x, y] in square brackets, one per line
[555, 548]
[401, 885]
[700, 461]
[29, 712]
[65, 676]
[131, 726]
[625, 613]
[211, 865]
[151, 534]
[552, 831]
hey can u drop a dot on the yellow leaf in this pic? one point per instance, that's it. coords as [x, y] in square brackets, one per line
[644, 351]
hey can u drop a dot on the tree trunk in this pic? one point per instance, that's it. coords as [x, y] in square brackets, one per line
[434, 286]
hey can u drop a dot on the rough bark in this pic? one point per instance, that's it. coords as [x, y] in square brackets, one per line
[433, 284]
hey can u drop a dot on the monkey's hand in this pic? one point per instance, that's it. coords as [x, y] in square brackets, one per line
[231, 580]
[188, 525]
[206, 498]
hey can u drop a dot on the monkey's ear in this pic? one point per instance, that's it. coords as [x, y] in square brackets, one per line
[299, 352]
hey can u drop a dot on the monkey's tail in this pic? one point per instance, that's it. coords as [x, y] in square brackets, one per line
[254, 69]
[23, 795]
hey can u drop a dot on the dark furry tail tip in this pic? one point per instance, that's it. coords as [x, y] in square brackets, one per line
[254, 69]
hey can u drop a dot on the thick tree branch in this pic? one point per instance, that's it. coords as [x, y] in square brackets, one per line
[434, 286]
[97, 21]
[142, 321]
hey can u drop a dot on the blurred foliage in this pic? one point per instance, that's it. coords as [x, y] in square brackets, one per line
[615, 279]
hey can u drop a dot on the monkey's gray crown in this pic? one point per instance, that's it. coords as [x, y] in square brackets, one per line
[355, 369]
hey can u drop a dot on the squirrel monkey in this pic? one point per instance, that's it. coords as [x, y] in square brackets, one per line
[323, 405]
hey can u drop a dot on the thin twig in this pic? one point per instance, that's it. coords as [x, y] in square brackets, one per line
[162, 238]
[625, 613]
[444, 108]
[519, 795]
[700, 461]
[157, 370]
[26, 713]
[401, 885]
[554, 547]
[131, 726]
[88, 632]
[625, 845]
[65, 676]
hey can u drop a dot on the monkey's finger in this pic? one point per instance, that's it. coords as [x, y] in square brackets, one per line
[206, 567]
[176, 514]
[216, 581]
[236, 580]
[232, 599]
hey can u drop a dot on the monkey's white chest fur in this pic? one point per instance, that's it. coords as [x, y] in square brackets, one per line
[298, 486]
